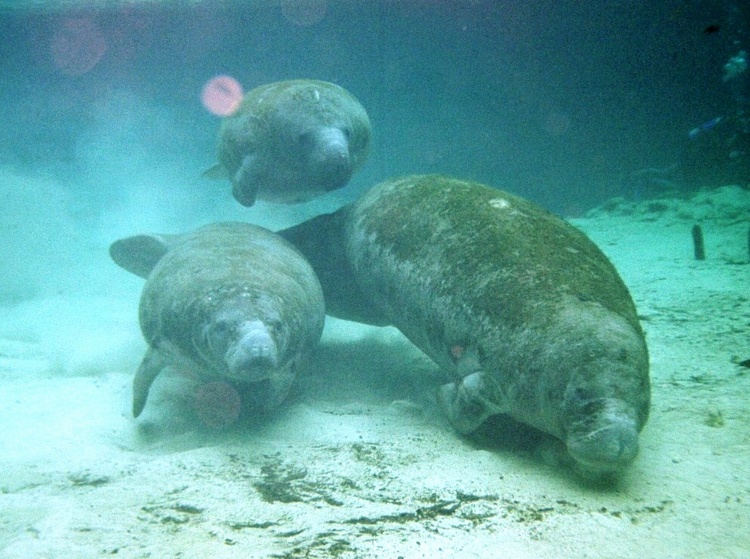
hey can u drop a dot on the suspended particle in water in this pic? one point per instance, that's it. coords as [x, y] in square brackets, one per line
[457, 351]
[217, 404]
[304, 12]
[221, 95]
[557, 124]
[77, 45]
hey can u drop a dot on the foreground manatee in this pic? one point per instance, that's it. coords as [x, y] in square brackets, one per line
[228, 302]
[291, 141]
[523, 311]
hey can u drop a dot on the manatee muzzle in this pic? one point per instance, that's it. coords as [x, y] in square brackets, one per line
[330, 159]
[254, 355]
[603, 444]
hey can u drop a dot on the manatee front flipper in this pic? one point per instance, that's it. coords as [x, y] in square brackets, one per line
[140, 253]
[246, 181]
[216, 172]
[151, 365]
[281, 383]
[465, 402]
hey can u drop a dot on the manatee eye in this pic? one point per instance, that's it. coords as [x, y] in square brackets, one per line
[305, 139]
[222, 326]
[347, 132]
[276, 327]
[217, 335]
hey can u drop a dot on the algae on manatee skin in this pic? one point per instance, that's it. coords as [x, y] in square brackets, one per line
[425, 213]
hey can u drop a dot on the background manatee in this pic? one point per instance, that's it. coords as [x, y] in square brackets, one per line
[228, 302]
[522, 310]
[291, 141]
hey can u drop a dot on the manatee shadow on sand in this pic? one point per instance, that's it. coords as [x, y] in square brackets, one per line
[505, 436]
[374, 371]
[369, 370]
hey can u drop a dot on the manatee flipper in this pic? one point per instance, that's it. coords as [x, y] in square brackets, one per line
[280, 386]
[465, 404]
[246, 180]
[152, 364]
[140, 253]
[217, 172]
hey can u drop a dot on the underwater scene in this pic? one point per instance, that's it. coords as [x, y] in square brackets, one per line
[375, 279]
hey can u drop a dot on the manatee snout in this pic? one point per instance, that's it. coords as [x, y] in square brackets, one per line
[329, 157]
[254, 355]
[605, 442]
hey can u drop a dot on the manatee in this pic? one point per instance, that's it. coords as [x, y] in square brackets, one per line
[292, 141]
[523, 312]
[229, 302]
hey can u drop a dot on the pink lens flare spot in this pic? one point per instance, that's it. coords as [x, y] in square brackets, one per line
[304, 12]
[222, 95]
[77, 45]
[217, 404]
[457, 351]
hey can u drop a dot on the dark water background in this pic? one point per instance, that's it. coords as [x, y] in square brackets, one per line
[555, 100]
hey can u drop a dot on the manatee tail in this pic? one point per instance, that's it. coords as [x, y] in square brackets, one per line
[322, 240]
[151, 365]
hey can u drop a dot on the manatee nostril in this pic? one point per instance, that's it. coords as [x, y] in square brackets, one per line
[261, 353]
[254, 355]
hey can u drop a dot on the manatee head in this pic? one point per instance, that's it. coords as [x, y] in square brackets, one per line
[605, 404]
[243, 339]
[304, 160]
[587, 380]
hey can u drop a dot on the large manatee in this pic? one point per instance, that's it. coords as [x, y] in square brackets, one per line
[523, 311]
[291, 141]
[229, 302]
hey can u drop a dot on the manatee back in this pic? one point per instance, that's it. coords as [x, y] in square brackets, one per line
[508, 258]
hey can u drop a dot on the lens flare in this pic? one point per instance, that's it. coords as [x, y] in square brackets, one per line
[222, 95]
[77, 45]
[304, 12]
[217, 404]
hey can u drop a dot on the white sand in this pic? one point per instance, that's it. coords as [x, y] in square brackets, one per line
[359, 464]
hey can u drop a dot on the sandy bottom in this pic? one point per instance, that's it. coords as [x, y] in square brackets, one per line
[360, 464]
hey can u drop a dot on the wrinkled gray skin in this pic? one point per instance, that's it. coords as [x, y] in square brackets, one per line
[229, 301]
[292, 141]
[521, 309]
